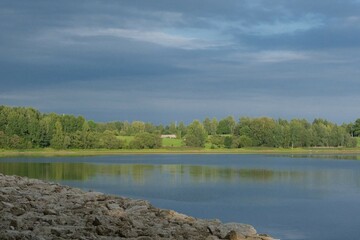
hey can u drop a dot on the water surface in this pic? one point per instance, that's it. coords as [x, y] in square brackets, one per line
[289, 197]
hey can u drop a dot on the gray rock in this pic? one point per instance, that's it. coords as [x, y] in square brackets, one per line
[50, 212]
[212, 237]
[36, 210]
[233, 235]
[17, 211]
[8, 205]
[242, 229]
[96, 221]
[113, 206]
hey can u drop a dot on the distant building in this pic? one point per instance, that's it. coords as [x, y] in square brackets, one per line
[168, 136]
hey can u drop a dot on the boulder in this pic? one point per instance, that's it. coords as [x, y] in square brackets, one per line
[34, 209]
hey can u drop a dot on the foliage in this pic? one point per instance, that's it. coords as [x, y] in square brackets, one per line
[146, 141]
[110, 141]
[196, 135]
[228, 141]
[356, 128]
[226, 126]
[23, 128]
[217, 140]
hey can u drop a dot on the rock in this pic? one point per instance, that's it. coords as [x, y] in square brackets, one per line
[144, 238]
[233, 235]
[93, 196]
[113, 206]
[56, 231]
[101, 230]
[136, 209]
[8, 205]
[242, 229]
[50, 212]
[17, 211]
[34, 209]
[212, 237]
[96, 222]
[15, 223]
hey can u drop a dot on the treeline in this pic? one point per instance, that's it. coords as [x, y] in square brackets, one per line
[25, 128]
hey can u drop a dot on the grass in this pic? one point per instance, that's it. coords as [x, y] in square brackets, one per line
[172, 142]
[48, 152]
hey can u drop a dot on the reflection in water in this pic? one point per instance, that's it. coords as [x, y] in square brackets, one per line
[140, 174]
[290, 197]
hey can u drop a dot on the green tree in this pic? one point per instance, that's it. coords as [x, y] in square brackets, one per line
[137, 127]
[110, 141]
[214, 125]
[17, 142]
[299, 133]
[217, 141]
[3, 140]
[181, 130]
[196, 135]
[228, 141]
[146, 141]
[126, 129]
[172, 128]
[57, 141]
[207, 125]
[226, 125]
[356, 128]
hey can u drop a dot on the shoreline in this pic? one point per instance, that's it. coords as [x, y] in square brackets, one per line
[99, 152]
[35, 209]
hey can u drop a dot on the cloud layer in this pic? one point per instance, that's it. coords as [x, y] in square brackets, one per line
[163, 61]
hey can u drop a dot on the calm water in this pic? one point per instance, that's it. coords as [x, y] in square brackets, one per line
[287, 197]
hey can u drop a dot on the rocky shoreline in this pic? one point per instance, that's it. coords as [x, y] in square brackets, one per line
[34, 209]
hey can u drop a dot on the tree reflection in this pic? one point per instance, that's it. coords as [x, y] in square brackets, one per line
[174, 174]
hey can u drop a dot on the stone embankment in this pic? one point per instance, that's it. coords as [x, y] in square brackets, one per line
[34, 209]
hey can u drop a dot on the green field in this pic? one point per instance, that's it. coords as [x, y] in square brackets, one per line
[169, 142]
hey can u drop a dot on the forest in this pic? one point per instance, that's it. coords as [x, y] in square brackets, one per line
[28, 128]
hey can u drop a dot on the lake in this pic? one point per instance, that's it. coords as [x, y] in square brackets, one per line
[289, 197]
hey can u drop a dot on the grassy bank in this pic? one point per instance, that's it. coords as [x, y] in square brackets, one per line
[48, 152]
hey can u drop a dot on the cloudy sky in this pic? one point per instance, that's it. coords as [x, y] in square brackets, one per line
[164, 60]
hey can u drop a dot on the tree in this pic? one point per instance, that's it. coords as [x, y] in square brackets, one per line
[207, 125]
[172, 128]
[356, 128]
[57, 141]
[228, 142]
[181, 130]
[126, 129]
[321, 130]
[3, 140]
[213, 126]
[262, 131]
[196, 135]
[146, 141]
[226, 125]
[137, 127]
[110, 141]
[216, 141]
[17, 142]
[299, 133]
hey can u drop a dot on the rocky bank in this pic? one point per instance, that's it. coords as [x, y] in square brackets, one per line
[34, 209]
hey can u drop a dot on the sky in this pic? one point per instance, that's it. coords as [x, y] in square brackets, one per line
[162, 60]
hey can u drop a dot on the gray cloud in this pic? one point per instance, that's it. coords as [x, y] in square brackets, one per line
[164, 61]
